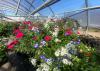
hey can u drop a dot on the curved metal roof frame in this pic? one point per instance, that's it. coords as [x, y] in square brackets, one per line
[11, 7]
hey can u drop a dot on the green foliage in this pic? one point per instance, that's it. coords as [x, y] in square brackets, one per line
[6, 29]
[2, 53]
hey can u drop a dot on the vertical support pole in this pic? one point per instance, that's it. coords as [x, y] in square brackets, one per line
[87, 16]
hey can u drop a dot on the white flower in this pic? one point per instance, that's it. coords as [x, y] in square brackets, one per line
[57, 40]
[55, 34]
[33, 61]
[57, 53]
[46, 25]
[38, 69]
[69, 55]
[69, 46]
[45, 67]
[56, 69]
[63, 51]
[66, 61]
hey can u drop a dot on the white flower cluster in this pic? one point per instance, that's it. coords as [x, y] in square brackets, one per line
[66, 61]
[56, 69]
[43, 67]
[61, 52]
[64, 51]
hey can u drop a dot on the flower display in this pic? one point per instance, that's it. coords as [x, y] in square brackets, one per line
[50, 49]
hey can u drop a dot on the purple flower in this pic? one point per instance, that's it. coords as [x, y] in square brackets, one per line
[43, 42]
[42, 57]
[46, 60]
[36, 45]
[78, 42]
[66, 34]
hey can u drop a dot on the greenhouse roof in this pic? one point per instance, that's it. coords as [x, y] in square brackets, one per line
[27, 7]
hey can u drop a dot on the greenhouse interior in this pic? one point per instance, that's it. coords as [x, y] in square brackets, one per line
[49, 35]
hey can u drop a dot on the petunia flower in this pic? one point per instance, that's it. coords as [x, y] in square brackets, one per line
[19, 35]
[12, 44]
[16, 31]
[47, 38]
[68, 32]
[27, 23]
[78, 32]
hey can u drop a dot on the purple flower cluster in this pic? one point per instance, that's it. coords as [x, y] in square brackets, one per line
[44, 58]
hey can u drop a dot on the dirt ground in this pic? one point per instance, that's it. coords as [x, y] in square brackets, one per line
[89, 32]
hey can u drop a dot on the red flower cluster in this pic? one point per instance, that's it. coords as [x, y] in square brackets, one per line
[12, 44]
[47, 38]
[27, 22]
[68, 32]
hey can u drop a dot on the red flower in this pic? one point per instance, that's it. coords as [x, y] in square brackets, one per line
[30, 27]
[78, 32]
[68, 32]
[47, 38]
[27, 22]
[12, 44]
[19, 35]
[16, 31]
[35, 38]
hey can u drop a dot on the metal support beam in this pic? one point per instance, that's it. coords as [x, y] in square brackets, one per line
[17, 7]
[31, 5]
[5, 6]
[47, 3]
[50, 9]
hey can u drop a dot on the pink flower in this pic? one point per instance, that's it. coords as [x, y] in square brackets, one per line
[19, 35]
[78, 32]
[12, 44]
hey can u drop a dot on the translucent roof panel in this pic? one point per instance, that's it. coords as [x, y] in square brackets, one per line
[25, 7]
